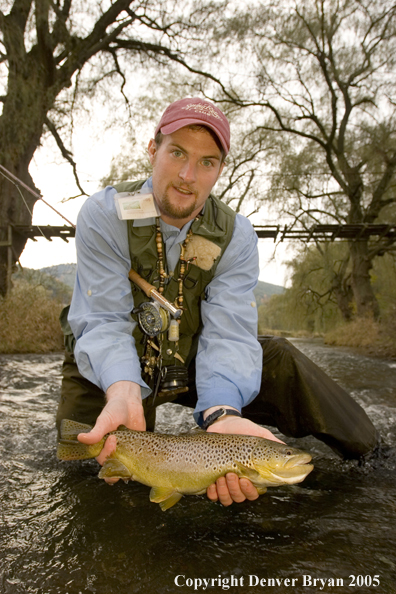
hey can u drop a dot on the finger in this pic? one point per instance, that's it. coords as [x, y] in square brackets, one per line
[223, 491]
[234, 488]
[248, 489]
[211, 492]
[108, 448]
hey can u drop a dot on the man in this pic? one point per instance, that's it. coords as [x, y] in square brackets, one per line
[203, 258]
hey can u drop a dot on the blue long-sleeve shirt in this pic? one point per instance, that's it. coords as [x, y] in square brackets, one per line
[228, 362]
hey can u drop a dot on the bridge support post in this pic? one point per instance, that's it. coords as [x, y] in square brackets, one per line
[8, 244]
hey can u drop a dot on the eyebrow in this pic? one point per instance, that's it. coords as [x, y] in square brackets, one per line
[175, 145]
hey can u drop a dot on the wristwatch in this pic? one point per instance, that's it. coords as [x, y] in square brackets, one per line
[221, 412]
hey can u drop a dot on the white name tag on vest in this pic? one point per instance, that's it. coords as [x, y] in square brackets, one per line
[135, 206]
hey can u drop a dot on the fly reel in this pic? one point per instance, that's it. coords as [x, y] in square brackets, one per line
[152, 318]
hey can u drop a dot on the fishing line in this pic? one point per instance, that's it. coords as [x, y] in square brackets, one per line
[21, 183]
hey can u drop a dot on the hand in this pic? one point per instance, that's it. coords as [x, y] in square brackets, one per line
[124, 407]
[231, 488]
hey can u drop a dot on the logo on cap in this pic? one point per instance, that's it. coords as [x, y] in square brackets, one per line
[202, 108]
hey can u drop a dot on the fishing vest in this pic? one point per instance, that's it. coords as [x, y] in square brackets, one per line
[212, 233]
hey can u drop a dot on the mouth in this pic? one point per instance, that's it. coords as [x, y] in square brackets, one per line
[300, 459]
[297, 468]
[183, 191]
[293, 475]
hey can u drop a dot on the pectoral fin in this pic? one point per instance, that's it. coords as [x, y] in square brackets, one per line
[247, 472]
[113, 468]
[165, 497]
[252, 475]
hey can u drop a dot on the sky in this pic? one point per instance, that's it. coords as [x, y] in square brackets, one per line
[93, 152]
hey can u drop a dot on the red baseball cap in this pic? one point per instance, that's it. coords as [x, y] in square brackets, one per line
[195, 111]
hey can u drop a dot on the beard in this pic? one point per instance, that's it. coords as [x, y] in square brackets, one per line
[176, 211]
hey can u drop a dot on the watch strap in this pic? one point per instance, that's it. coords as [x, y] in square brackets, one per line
[217, 414]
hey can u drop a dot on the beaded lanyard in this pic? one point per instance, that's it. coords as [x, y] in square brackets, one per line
[152, 362]
[183, 262]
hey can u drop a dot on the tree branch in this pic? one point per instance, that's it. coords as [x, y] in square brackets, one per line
[96, 41]
[65, 152]
[377, 202]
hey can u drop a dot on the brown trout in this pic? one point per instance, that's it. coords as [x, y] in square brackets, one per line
[177, 465]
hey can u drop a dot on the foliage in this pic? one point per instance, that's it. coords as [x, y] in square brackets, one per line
[311, 304]
[56, 57]
[34, 279]
[320, 74]
[309, 88]
[371, 337]
[63, 273]
[29, 320]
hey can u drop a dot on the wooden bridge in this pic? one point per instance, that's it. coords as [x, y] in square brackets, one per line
[357, 232]
[318, 232]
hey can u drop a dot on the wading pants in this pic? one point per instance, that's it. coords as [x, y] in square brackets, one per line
[296, 396]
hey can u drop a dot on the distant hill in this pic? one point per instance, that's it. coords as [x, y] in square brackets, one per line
[264, 291]
[66, 273]
[42, 278]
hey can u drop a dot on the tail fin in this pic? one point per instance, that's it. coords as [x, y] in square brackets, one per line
[69, 448]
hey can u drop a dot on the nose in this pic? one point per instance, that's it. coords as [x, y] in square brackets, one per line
[187, 172]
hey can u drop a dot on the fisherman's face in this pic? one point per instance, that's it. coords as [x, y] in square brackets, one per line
[186, 166]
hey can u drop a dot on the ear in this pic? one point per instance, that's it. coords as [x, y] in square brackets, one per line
[152, 150]
[220, 170]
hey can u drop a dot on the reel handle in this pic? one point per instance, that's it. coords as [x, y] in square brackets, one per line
[152, 292]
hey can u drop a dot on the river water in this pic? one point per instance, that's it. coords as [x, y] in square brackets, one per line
[64, 531]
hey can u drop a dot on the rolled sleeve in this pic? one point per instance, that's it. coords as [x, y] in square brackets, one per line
[229, 359]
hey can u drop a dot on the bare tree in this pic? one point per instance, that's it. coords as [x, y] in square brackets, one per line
[51, 51]
[321, 75]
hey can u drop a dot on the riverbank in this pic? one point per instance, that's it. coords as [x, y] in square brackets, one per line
[377, 339]
[29, 323]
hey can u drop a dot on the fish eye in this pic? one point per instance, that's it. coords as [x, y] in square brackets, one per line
[289, 452]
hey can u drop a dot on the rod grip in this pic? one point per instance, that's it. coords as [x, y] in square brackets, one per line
[140, 282]
[152, 292]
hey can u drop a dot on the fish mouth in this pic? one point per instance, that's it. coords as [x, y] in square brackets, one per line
[297, 473]
[298, 460]
[295, 469]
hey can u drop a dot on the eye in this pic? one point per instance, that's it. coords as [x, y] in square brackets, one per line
[207, 163]
[177, 153]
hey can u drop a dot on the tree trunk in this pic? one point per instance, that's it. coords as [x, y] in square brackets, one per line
[344, 295]
[18, 141]
[30, 95]
[366, 302]
[13, 212]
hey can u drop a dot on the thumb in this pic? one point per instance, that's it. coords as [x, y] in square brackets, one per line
[102, 426]
[94, 436]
